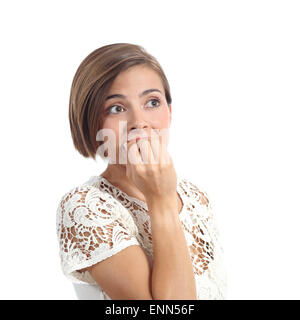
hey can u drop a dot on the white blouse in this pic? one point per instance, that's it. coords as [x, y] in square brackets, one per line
[96, 220]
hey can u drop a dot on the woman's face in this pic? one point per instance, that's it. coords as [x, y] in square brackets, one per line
[138, 107]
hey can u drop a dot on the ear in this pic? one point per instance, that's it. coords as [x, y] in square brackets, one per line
[170, 112]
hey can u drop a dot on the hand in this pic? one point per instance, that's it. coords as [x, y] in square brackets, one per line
[151, 168]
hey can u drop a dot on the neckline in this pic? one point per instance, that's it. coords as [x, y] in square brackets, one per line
[142, 203]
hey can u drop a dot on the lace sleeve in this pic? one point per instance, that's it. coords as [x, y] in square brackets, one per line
[91, 226]
[217, 267]
[203, 198]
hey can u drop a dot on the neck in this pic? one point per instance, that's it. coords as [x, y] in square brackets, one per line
[115, 172]
[116, 175]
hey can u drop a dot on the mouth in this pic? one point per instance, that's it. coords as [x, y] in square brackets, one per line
[137, 134]
[136, 138]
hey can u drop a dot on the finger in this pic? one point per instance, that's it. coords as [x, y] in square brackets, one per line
[164, 155]
[146, 151]
[155, 145]
[159, 140]
[134, 156]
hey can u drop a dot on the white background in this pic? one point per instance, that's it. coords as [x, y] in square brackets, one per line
[234, 72]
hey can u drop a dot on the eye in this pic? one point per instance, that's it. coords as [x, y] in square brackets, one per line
[115, 105]
[157, 102]
[119, 108]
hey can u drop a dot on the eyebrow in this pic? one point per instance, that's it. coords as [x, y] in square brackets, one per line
[141, 94]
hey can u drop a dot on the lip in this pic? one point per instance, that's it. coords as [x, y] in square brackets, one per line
[137, 134]
[137, 138]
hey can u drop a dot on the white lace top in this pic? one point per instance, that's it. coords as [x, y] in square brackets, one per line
[95, 220]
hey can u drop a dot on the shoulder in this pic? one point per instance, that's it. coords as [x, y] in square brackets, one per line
[86, 194]
[87, 204]
[89, 194]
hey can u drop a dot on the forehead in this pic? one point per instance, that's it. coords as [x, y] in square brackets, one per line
[139, 77]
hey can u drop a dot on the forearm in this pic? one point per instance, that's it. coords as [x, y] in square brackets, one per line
[172, 273]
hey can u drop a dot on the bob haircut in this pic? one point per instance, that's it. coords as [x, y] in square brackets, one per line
[90, 87]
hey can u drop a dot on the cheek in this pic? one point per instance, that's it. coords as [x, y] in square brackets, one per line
[163, 119]
[112, 124]
[112, 141]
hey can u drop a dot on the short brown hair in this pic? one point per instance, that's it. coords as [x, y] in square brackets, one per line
[91, 85]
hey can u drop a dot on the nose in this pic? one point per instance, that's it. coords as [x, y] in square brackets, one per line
[139, 126]
[137, 122]
[138, 130]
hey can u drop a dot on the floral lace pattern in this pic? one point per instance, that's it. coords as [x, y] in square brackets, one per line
[96, 220]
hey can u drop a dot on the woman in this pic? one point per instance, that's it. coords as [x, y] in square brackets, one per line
[136, 231]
